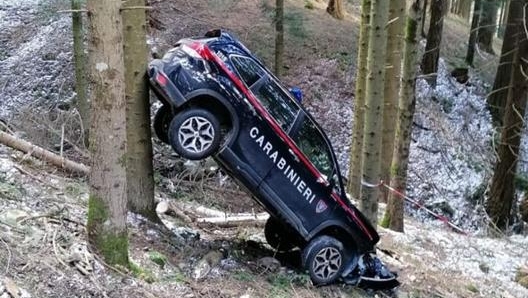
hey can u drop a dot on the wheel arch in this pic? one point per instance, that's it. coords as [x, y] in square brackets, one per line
[218, 105]
[337, 230]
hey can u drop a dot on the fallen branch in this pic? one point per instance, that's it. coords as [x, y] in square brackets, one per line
[165, 207]
[198, 210]
[235, 220]
[42, 154]
[190, 214]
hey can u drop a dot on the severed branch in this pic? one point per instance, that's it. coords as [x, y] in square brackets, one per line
[234, 220]
[169, 208]
[42, 154]
[191, 214]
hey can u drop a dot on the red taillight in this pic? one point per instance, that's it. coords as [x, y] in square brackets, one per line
[161, 79]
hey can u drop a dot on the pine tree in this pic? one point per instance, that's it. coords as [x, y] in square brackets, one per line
[473, 31]
[497, 98]
[107, 204]
[279, 37]
[140, 178]
[392, 86]
[393, 217]
[354, 173]
[335, 9]
[79, 58]
[487, 25]
[374, 107]
[502, 189]
[434, 39]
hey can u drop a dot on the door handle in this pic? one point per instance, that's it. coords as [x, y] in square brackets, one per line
[295, 157]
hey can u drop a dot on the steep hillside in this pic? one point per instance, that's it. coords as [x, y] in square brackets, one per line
[43, 251]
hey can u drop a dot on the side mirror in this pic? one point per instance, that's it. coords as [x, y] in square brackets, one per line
[297, 93]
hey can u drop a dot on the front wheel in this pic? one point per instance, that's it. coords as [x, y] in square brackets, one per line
[324, 258]
[195, 134]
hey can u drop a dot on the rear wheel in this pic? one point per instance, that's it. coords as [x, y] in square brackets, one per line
[324, 258]
[277, 235]
[162, 122]
[195, 134]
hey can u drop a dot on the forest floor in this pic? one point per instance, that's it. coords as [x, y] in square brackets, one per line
[43, 249]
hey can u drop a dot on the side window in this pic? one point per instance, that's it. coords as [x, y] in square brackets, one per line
[271, 96]
[313, 145]
[248, 70]
[278, 104]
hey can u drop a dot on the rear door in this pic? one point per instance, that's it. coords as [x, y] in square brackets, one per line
[301, 181]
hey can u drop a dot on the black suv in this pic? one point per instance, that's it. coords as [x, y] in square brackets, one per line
[219, 100]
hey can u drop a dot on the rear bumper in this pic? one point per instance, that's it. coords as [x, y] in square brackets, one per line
[168, 94]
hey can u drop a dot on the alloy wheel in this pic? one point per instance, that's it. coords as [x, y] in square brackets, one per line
[196, 134]
[327, 263]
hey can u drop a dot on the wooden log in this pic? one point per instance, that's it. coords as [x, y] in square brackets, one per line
[166, 207]
[43, 154]
[256, 220]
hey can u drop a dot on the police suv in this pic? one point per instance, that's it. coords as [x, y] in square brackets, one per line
[219, 100]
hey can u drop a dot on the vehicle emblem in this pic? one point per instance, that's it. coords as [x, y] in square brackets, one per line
[321, 206]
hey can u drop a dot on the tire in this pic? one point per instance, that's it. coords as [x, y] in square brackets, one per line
[195, 134]
[278, 236]
[162, 122]
[324, 258]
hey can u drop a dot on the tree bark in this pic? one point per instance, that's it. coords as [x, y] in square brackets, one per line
[470, 55]
[42, 154]
[465, 9]
[140, 178]
[335, 9]
[393, 217]
[354, 173]
[374, 107]
[279, 37]
[107, 204]
[502, 189]
[424, 17]
[79, 58]
[487, 25]
[496, 100]
[434, 39]
[392, 87]
[505, 7]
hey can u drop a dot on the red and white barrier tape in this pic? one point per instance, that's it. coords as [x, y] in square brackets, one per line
[440, 217]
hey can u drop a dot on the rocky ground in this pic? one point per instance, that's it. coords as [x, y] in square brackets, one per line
[43, 251]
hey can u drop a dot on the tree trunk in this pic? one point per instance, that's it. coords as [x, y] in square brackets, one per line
[374, 107]
[79, 58]
[335, 9]
[393, 217]
[424, 17]
[453, 6]
[354, 174]
[470, 55]
[392, 87]
[497, 98]
[434, 38]
[107, 204]
[488, 25]
[279, 37]
[465, 9]
[505, 7]
[140, 178]
[502, 189]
